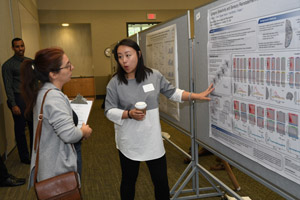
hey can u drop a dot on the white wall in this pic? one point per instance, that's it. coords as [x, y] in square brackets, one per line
[76, 42]
[30, 31]
[5, 52]
[18, 18]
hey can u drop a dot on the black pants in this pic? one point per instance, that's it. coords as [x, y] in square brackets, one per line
[3, 171]
[20, 124]
[77, 146]
[158, 172]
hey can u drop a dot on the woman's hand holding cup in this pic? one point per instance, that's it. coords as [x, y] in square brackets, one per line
[139, 112]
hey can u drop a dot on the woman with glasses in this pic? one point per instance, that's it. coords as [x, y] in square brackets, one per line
[51, 69]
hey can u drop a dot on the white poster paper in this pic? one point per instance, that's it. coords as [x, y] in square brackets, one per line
[254, 63]
[161, 52]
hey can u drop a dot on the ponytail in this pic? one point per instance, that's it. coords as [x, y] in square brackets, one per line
[29, 85]
[34, 73]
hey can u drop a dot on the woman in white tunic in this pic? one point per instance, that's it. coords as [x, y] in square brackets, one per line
[138, 134]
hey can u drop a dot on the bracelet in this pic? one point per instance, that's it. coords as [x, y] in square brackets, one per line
[190, 96]
[129, 114]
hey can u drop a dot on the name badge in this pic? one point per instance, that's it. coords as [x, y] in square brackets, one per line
[148, 87]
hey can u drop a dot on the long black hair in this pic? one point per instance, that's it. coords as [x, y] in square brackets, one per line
[141, 72]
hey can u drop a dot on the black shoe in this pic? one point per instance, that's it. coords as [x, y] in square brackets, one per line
[17, 179]
[10, 182]
[26, 161]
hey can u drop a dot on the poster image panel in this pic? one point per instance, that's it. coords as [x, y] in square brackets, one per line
[254, 63]
[161, 54]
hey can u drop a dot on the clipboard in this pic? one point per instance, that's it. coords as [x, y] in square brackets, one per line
[82, 107]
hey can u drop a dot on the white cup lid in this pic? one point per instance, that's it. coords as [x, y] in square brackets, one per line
[140, 105]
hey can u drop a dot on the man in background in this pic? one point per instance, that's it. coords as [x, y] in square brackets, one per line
[11, 79]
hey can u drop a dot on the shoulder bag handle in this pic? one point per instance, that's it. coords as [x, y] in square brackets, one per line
[38, 137]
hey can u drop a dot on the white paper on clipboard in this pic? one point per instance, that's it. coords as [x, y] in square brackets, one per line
[82, 111]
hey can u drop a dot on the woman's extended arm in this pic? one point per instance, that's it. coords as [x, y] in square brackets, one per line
[188, 96]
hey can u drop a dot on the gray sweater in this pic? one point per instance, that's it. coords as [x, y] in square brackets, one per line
[57, 154]
[138, 140]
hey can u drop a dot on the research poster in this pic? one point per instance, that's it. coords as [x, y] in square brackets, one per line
[161, 53]
[254, 63]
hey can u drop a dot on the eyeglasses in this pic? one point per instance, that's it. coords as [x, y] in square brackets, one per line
[68, 65]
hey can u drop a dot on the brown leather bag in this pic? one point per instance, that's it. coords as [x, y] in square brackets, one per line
[64, 186]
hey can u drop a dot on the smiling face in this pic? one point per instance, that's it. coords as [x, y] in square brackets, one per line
[19, 48]
[128, 59]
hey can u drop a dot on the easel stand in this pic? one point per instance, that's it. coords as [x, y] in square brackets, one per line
[194, 170]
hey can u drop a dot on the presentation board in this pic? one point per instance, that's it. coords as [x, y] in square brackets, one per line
[135, 37]
[250, 51]
[165, 47]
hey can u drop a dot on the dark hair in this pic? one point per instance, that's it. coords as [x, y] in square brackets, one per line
[34, 73]
[141, 70]
[14, 40]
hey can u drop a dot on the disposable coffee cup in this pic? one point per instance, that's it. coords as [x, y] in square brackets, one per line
[142, 106]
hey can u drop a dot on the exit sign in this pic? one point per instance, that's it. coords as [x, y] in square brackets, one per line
[151, 16]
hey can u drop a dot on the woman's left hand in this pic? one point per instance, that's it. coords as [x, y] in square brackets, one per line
[137, 114]
[203, 95]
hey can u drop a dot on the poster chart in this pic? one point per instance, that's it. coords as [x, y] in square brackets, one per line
[254, 63]
[161, 53]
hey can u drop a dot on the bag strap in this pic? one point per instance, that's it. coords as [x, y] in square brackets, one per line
[38, 137]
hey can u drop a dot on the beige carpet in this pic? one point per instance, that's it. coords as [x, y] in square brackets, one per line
[102, 174]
